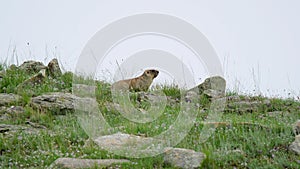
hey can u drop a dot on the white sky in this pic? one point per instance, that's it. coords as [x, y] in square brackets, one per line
[258, 42]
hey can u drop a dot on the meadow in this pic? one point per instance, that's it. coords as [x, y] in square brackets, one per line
[259, 138]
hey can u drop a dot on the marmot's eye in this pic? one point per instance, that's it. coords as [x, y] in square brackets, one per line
[147, 72]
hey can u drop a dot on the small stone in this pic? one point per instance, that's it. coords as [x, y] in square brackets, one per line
[267, 102]
[275, 113]
[73, 163]
[183, 158]
[238, 151]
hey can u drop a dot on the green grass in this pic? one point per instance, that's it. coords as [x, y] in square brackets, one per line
[252, 140]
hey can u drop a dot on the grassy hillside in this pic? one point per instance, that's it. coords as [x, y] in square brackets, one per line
[243, 139]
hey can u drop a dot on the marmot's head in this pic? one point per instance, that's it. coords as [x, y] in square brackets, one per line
[151, 73]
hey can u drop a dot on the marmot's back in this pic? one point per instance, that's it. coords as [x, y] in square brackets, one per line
[141, 83]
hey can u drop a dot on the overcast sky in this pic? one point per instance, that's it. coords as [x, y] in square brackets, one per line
[258, 42]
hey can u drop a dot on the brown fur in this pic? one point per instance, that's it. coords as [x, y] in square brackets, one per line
[141, 83]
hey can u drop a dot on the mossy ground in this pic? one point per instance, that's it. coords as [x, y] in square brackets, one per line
[262, 144]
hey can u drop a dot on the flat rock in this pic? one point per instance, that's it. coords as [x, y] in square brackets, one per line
[7, 128]
[10, 112]
[15, 110]
[130, 145]
[237, 98]
[58, 103]
[295, 146]
[244, 106]
[3, 114]
[183, 158]
[119, 140]
[74, 163]
[9, 99]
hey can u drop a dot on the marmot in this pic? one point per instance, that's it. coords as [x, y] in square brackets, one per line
[141, 83]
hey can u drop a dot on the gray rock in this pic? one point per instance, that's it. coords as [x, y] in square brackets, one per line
[4, 117]
[9, 99]
[57, 103]
[295, 146]
[215, 84]
[53, 69]
[117, 140]
[130, 145]
[32, 66]
[237, 98]
[3, 114]
[4, 128]
[236, 151]
[74, 163]
[7, 129]
[35, 125]
[190, 95]
[297, 127]
[267, 102]
[213, 93]
[120, 140]
[15, 110]
[2, 109]
[238, 103]
[244, 106]
[183, 158]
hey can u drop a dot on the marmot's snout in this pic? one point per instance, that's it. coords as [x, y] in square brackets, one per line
[152, 73]
[155, 73]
